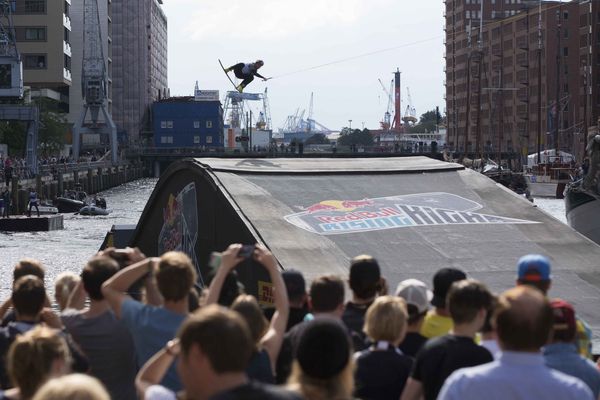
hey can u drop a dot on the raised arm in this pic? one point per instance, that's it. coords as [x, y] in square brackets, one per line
[229, 259]
[156, 367]
[77, 297]
[114, 289]
[272, 340]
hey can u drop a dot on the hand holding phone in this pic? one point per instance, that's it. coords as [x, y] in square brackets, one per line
[246, 251]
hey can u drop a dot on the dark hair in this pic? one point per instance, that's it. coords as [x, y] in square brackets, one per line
[466, 298]
[414, 315]
[175, 276]
[523, 319]
[365, 277]
[327, 293]
[542, 286]
[28, 266]
[28, 295]
[221, 334]
[487, 324]
[247, 306]
[97, 271]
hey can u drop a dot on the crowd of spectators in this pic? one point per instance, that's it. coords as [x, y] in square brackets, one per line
[132, 327]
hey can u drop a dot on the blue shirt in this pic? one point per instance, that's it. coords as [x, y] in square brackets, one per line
[514, 376]
[151, 328]
[564, 357]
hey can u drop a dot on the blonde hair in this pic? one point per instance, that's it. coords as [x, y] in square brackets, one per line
[247, 306]
[386, 319]
[31, 356]
[339, 387]
[72, 387]
[63, 287]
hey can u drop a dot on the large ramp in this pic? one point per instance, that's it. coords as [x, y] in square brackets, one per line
[415, 215]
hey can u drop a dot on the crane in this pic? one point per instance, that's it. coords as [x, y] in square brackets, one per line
[410, 116]
[93, 84]
[387, 123]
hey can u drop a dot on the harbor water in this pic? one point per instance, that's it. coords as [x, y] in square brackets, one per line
[69, 249]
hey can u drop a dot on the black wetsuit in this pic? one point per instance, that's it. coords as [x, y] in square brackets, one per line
[246, 72]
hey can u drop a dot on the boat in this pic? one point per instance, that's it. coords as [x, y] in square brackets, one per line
[47, 209]
[549, 176]
[582, 197]
[71, 201]
[93, 209]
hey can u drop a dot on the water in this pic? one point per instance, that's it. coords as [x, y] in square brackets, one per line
[554, 207]
[69, 249]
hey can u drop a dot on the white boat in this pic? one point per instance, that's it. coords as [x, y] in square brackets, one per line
[46, 210]
[93, 210]
[549, 176]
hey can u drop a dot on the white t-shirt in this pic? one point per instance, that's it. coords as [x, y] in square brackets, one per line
[157, 392]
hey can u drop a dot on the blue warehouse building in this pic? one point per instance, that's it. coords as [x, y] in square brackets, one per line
[188, 122]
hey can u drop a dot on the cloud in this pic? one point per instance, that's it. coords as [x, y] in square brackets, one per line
[268, 19]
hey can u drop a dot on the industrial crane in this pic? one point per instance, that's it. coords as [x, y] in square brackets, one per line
[387, 123]
[410, 116]
[93, 84]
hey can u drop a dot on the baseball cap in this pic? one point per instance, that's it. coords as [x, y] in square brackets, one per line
[533, 268]
[565, 325]
[415, 292]
[294, 283]
[442, 280]
[324, 348]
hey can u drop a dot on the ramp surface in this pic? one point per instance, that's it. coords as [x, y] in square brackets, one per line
[415, 215]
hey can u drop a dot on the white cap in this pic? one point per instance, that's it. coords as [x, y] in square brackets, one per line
[415, 292]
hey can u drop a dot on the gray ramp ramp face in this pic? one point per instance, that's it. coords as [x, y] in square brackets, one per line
[415, 215]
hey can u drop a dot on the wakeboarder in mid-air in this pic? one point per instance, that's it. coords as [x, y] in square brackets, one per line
[246, 72]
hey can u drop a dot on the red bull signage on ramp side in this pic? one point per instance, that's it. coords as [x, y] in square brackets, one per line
[333, 217]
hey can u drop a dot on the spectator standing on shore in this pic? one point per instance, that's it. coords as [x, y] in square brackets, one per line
[382, 370]
[327, 295]
[468, 303]
[103, 338]
[417, 298]
[267, 336]
[524, 324]
[33, 202]
[561, 353]
[535, 270]
[366, 284]
[322, 369]
[6, 200]
[153, 326]
[438, 321]
[8, 172]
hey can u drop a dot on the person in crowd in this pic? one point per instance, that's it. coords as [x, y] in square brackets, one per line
[33, 202]
[323, 366]
[73, 387]
[6, 200]
[213, 348]
[366, 283]
[382, 369]
[535, 270]
[326, 298]
[63, 287]
[25, 266]
[438, 321]
[468, 304]
[103, 338]
[417, 298]
[267, 336]
[8, 172]
[297, 296]
[523, 321]
[561, 353]
[28, 299]
[152, 326]
[34, 357]
[489, 339]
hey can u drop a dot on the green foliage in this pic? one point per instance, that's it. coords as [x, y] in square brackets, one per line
[317, 138]
[427, 122]
[53, 129]
[13, 133]
[355, 136]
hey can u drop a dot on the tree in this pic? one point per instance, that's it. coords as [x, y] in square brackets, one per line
[317, 138]
[53, 129]
[427, 122]
[356, 136]
[13, 133]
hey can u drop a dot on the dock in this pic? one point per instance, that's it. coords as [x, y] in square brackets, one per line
[43, 223]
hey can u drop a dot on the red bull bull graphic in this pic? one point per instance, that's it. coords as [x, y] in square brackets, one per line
[331, 217]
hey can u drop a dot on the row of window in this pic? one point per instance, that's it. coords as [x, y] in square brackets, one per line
[29, 7]
[169, 139]
[169, 124]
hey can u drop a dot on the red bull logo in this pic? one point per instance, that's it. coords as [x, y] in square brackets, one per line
[338, 205]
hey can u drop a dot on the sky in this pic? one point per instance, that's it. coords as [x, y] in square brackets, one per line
[360, 40]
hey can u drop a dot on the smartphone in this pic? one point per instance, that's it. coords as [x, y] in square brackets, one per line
[215, 260]
[246, 251]
[121, 256]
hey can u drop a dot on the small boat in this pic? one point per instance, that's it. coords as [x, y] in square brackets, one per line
[68, 205]
[46, 209]
[550, 176]
[92, 209]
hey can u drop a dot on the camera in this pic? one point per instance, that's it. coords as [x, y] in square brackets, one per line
[246, 251]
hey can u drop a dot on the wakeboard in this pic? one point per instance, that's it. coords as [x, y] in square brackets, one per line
[227, 74]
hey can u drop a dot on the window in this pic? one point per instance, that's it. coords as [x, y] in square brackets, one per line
[209, 124]
[163, 124]
[196, 125]
[565, 51]
[34, 6]
[166, 139]
[169, 124]
[35, 61]
[31, 34]
[208, 139]
[196, 139]
[5, 76]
